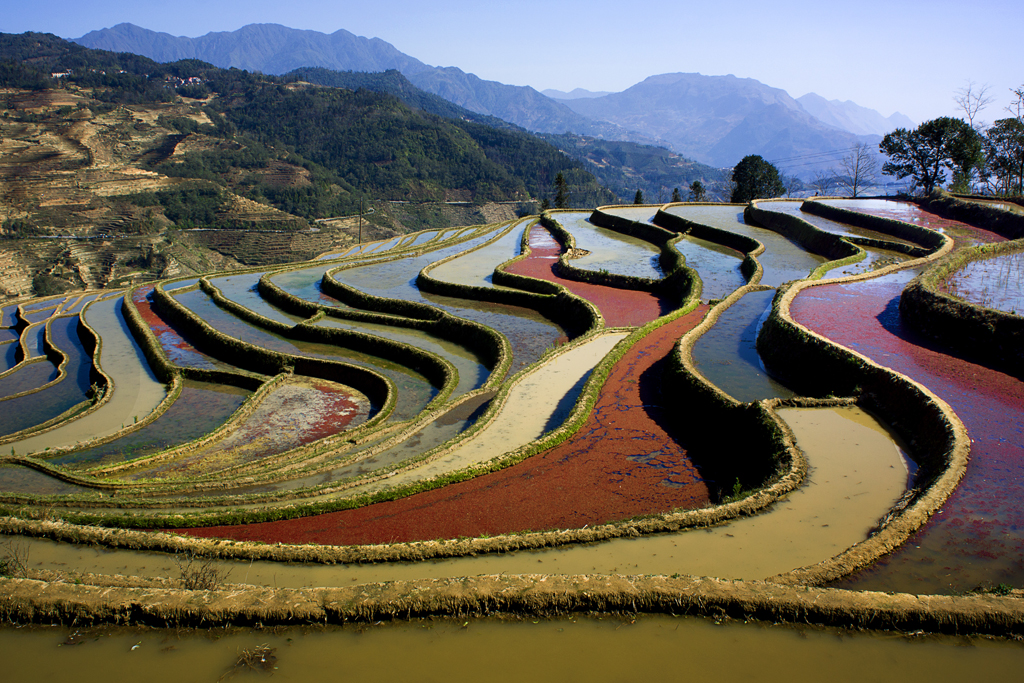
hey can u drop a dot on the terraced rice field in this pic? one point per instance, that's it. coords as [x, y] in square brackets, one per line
[527, 424]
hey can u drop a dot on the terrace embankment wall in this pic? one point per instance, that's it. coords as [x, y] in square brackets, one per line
[917, 234]
[730, 442]
[993, 336]
[264, 361]
[814, 366]
[838, 251]
[982, 215]
[747, 246]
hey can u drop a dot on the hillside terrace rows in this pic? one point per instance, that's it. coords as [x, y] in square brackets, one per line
[610, 425]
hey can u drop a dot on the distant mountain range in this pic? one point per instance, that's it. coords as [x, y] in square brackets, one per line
[715, 120]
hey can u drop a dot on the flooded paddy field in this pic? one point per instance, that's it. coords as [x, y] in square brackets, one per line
[718, 266]
[476, 268]
[241, 289]
[29, 410]
[963, 235]
[8, 355]
[472, 371]
[782, 259]
[295, 413]
[176, 344]
[994, 282]
[611, 251]
[199, 409]
[414, 390]
[629, 459]
[977, 536]
[27, 376]
[619, 307]
[136, 391]
[622, 462]
[727, 353]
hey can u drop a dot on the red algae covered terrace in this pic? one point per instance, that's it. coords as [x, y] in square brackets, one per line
[620, 307]
[978, 535]
[620, 464]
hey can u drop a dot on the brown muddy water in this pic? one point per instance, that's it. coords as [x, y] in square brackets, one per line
[585, 649]
[856, 474]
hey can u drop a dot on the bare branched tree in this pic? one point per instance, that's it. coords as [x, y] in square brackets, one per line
[1017, 106]
[972, 99]
[823, 182]
[857, 169]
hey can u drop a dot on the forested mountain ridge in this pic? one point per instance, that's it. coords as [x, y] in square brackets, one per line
[115, 167]
[268, 48]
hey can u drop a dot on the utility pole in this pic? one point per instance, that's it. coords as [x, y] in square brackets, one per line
[360, 220]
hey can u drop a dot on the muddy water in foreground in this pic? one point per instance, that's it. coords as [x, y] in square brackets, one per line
[856, 475]
[606, 648]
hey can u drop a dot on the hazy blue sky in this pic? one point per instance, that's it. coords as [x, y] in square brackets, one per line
[892, 55]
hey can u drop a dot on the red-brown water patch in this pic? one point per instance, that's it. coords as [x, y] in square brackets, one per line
[179, 350]
[978, 536]
[620, 307]
[622, 463]
[963, 235]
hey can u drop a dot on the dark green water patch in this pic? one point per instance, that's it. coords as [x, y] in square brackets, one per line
[14, 479]
[32, 409]
[414, 391]
[727, 354]
[29, 376]
[201, 408]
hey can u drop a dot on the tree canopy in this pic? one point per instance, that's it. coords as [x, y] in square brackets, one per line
[1004, 152]
[755, 178]
[934, 148]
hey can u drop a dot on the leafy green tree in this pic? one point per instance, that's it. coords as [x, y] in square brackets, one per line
[755, 178]
[676, 196]
[1004, 153]
[934, 148]
[638, 198]
[698, 193]
[561, 192]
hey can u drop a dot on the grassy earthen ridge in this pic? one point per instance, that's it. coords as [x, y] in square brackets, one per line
[813, 365]
[92, 344]
[490, 346]
[837, 250]
[1006, 223]
[678, 280]
[577, 315]
[438, 371]
[931, 240]
[995, 336]
[736, 442]
[747, 246]
[28, 600]
[249, 356]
